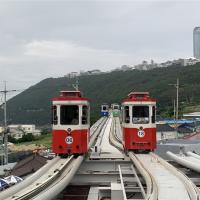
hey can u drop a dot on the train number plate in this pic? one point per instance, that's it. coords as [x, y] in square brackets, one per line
[141, 133]
[69, 140]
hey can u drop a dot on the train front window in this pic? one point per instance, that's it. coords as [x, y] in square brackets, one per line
[69, 115]
[140, 114]
[54, 115]
[84, 115]
[116, 107]
[104, 108]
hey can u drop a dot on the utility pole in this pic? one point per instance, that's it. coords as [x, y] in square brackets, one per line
[176, 116]
[5, 91]
[177, 96]
[174, 110]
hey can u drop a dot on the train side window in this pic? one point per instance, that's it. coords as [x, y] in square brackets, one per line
[54, 115]
[126, 114]
[153, 119]
[69, 115]
[140, 114]
[84, 115]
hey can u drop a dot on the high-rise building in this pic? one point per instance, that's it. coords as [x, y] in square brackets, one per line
[196, 42]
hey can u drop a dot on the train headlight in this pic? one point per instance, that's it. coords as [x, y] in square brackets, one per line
[69, 130]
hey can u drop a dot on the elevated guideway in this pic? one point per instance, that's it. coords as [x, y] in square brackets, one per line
[171, 183]
[102, 148]
[136, 176]
[163, 181]
[50, 180]
[151, 190]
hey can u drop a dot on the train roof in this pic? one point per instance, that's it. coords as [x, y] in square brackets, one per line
[104, 104]
[69, 95]
[138, 96]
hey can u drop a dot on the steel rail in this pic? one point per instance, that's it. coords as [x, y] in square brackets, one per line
[152, 188]
[113, 138]
[53, 190]
[118, 132]
[115, 131]
[61, 182]
[101, 133]
[39, 186]
[191, 188]
[29, 180]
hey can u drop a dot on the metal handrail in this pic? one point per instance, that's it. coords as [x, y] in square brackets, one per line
[122, 183]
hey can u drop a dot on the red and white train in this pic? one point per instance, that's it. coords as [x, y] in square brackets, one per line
[70, 119]
[139, 122]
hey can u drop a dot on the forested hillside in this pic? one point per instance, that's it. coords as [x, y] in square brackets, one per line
[34, 104]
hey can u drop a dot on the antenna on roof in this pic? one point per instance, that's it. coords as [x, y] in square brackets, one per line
[76, 85]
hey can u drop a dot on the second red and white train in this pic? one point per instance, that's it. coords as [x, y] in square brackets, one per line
[139, 122]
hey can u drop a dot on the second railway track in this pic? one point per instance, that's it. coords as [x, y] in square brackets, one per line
[163, 181]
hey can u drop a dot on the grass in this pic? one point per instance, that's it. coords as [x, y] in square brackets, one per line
[195, 108]
[45, 140]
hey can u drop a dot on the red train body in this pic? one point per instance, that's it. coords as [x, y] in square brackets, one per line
[70, 119]
[138, 122]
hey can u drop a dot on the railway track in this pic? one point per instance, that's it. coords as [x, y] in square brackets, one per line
[50, 180]
[114, 136]
[163, 181]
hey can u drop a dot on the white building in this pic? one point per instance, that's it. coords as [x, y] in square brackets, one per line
[196, 42]
[165, 132]
[72, 75]
[18, 130]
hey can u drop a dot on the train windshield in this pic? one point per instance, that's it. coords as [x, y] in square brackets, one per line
[69, 115]
[140, 114]
[116, 107]
[104, 108]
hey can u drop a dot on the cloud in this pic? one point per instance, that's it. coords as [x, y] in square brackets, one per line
[51, 38]
[69, 50]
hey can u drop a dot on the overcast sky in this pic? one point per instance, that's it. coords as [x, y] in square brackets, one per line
[40, 39]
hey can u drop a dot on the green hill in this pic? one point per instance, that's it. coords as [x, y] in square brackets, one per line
[34, 104]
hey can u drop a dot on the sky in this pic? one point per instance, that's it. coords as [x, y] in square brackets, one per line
[41, 39]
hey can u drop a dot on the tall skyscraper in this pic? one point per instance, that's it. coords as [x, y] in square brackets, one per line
[196, 42]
